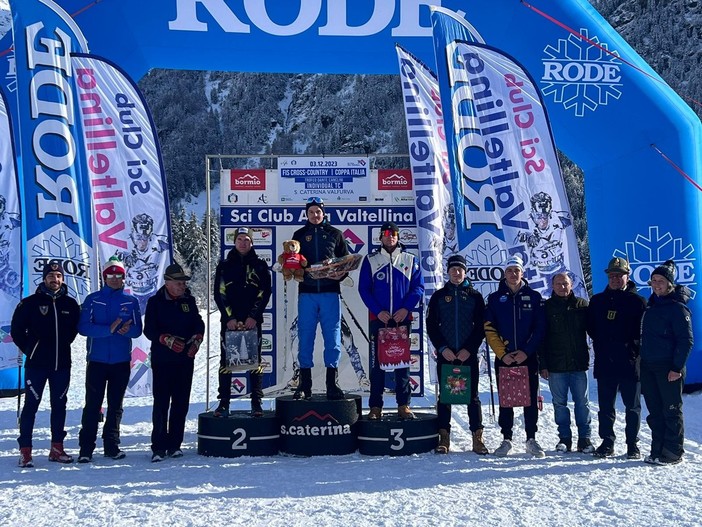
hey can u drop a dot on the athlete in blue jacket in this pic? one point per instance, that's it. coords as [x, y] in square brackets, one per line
[391, 286]
[515, 325]
[110, 318]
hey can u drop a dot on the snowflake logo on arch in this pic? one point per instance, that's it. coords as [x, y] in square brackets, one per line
[485, 256]
[580, 75]
[648, 251]
[72, 252]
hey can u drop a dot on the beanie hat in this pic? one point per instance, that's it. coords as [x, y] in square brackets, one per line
[51, 267]
[618, 265]
[515, 261]
[113, 266]
[666, 270]
[457, 260]
[389, 226]
[314, 202]
[246, 231]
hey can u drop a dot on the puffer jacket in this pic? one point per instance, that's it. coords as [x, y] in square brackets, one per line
[97, 314]
[666, 330]
[565, 347]
[44, 325]
[455, 318]
[179, 317]
[614, 325]
[242, 287]
[515, 321]
[318, 243]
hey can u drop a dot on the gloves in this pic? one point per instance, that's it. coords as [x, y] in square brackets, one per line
[171, 342]
[194, 343]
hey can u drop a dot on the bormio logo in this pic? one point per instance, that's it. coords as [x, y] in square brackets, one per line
[248, 179]
[394, 180]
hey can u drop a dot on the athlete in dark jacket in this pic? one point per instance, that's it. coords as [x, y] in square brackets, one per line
[242, 290]
[666, 342]
[174, 326]
[43, 326]
[319, 301]
[455, 319]
[614, 324]
[514, 328]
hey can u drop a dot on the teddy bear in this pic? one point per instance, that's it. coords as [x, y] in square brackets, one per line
[292, 262]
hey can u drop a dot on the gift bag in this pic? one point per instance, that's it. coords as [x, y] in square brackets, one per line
[393, 348]
[455, 384]
[513, 387]
[241, 350]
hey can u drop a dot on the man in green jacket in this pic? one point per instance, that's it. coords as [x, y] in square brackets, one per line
[564, 359]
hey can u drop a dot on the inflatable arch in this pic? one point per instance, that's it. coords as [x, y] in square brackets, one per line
[635, 139]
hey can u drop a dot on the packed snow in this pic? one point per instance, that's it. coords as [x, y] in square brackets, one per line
[460, 488]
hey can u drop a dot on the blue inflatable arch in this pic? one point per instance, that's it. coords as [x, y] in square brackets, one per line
[635, 139]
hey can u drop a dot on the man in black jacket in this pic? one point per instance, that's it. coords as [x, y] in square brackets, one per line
[564, 360]
[319, 301]
[43, 326]
[174, 326]
[614, 324]
[242, 290]
[455, 326]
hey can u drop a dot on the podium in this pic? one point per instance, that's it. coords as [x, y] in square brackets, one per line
[237, 435]
[391, 436]
[318, 427]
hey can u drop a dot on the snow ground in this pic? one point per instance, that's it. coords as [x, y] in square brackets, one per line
[458, 489]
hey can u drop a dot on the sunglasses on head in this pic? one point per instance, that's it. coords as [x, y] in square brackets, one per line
[315, 199]
[114, 275]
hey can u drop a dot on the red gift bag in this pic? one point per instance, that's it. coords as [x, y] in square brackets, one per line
[393, 348]
[513, 387]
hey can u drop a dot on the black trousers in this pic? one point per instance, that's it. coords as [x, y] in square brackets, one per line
[665, 418]
[630, 390]
[99, 377]
[35, 380]
[172, 383]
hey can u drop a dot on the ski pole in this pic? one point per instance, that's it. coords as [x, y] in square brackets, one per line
[19, 384]
[492, 389]
[353, 317]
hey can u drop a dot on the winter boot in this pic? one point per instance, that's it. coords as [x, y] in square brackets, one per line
[25, 460]
[478, 445]
[375, 413]
[256, 408]
[632, 451]
[256, 393]
[304, 387]
[444, 442]
[404, 412]
[58, 454]
[334, 393]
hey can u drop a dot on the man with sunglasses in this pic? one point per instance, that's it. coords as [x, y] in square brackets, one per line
[110, 318]
[319, 301]
[391, 286]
